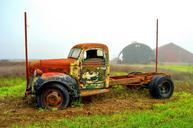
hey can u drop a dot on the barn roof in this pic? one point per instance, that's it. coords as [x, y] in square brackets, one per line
[174, 53]
[136, 53]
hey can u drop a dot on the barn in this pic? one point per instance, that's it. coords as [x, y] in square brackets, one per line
[172, 53]
[136, 53]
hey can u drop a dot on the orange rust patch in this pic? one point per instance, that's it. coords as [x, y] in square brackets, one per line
[134, 79]
[93, 92]
[52, 65]
[50, 74]
[92, 45]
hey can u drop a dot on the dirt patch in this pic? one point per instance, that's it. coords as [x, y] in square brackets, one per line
[23, 111]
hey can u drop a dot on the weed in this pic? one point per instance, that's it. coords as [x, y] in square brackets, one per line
[119, 108]
[12, 87]
[77, 102]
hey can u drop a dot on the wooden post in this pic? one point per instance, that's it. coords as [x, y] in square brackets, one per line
[26, 54]
[156, 45]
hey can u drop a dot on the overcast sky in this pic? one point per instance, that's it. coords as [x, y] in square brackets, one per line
[54, 26]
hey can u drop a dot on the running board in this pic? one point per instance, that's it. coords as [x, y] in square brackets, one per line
[90, 92]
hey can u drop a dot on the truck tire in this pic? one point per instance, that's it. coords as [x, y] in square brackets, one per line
[53, 96]
[161, 87]
[152, 83]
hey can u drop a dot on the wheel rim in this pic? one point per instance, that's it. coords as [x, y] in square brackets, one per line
[164, 87]
[53, 98]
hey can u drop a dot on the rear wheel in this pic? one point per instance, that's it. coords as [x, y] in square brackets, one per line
[54, 96]
[161, 87]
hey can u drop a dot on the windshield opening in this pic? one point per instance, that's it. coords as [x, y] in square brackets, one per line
[74, 53]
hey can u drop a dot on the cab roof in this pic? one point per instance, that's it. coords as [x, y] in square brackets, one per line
[91, 45]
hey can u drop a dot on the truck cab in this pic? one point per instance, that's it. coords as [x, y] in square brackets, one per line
[91, 68]
[85, 69]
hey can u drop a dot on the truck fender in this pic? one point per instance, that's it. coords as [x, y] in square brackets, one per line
[65, 80]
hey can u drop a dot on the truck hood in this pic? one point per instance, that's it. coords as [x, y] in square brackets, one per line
[51, 65]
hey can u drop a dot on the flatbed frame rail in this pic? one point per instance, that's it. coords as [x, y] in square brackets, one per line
[134, 79]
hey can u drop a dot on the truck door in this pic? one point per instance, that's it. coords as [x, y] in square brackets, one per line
[93, 72]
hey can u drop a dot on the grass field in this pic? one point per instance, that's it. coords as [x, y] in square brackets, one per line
[176, 68]
[120, 108]
[176, 113]
[11, 87]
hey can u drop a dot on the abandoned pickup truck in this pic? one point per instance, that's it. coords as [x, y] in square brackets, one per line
[86, 72]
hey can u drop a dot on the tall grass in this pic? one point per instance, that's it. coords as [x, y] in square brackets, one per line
[12, 87]
[150, 68]
[10, 81]
[177, 112]
[178, 68]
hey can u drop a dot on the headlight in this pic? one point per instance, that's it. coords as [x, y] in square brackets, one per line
[38, 72]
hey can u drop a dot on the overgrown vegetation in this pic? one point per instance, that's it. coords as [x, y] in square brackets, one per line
[176, 68]
[150, 68]
[178, 113]
[12, 87]
[119, 108]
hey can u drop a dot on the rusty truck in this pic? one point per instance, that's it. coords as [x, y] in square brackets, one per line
[86, 72]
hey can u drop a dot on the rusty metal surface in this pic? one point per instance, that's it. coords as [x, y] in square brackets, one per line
[53, 98]
[92, 45]
[93, 92]
[93, 73]
[65, 80]
[26, 57]
[51, 74]
[134, 79]
[94, 62]
[156, 46]
[90, 75]
[51, 65]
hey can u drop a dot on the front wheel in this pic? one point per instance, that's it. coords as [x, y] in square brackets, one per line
[54, 96]
[161, 87]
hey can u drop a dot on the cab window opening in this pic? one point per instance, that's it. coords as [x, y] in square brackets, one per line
[94, 53]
